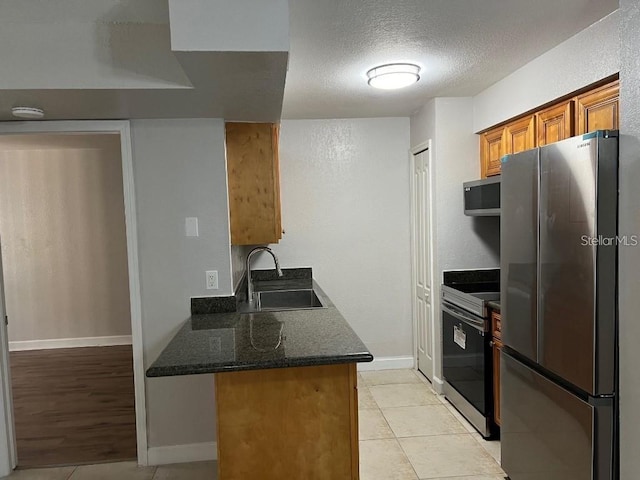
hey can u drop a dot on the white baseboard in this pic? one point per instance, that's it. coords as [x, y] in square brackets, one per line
[438, 385]
[193, 452]
[387, 363]
[69, 343]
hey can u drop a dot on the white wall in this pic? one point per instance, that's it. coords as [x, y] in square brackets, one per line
[423, 125]
[64, 246]
[179, 170]
[583, 59]
[238, 258]
[629, 257]
[345, 211]
[220, 25]
[89, 55]
[461, 242]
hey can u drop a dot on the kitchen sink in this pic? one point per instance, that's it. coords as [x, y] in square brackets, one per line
[289, 300]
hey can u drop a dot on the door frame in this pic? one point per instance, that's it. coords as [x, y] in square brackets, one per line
[123, 128]
[432, 267]
[8, 454]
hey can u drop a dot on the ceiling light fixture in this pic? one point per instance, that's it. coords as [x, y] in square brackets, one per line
[27, 112]
[393, 75]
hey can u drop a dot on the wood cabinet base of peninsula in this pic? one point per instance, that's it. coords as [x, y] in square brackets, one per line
[281, 423]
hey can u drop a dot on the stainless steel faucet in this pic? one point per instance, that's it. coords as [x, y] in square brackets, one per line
[249, 281]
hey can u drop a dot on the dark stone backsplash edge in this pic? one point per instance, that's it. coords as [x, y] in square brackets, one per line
[228, 304]
[302, 273]
[205, 305]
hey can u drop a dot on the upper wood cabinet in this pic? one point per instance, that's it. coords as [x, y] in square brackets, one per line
[599, 109]
[253, 173]
[491, 151]
[596, 109]
[555, 123]
[512, 138]
[520, 135]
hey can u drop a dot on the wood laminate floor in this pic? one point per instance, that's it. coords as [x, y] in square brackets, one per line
[74, 405]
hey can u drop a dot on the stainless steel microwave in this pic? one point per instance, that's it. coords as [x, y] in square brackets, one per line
[482, 197]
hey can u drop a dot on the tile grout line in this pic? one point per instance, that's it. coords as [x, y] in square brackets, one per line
[457, 415]
[391, 428]
[442, 401]
[475, 435]
[387, 422]
[395, 438]
[408, 459]
[436, 435]
[459, 476]
[423, 405]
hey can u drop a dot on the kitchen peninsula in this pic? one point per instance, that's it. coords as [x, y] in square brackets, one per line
[285, 386]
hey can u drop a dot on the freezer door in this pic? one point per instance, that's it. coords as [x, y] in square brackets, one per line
[578, 210]
[518, 252]
[547, 433]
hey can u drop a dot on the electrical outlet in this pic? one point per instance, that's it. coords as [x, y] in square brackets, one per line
[212, 279]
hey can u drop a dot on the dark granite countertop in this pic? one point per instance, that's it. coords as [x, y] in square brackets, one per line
[223, 342]
[495, 305]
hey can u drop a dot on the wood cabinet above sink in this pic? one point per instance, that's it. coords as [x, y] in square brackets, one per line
[253, 174]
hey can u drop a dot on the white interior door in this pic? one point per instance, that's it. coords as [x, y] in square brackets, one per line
[421, 261]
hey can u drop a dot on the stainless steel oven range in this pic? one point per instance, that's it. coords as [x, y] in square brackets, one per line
[466, 351]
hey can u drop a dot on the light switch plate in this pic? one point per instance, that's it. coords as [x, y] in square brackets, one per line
[191, 226]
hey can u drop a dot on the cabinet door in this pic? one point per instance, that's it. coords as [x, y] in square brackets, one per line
[496, 324]
[598, 109]
[497, 348]
[254, 183]
[555, 123]
[491, 151]
[520, 135]
[288, 423]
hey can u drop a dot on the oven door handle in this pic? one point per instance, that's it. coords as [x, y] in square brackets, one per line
[460, 315]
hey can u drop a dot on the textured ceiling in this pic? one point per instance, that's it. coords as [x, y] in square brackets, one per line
[111, 59]
[72, 11]
[464, 46]
[82, 59]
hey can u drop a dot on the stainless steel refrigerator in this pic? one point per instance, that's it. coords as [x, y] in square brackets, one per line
[558, 264]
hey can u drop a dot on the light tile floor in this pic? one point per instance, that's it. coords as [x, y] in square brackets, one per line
[407, 432]
[120, 471]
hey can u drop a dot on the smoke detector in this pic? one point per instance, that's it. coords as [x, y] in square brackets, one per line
[27, 112]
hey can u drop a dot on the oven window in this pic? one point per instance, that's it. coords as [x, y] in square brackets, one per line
[465, 361]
